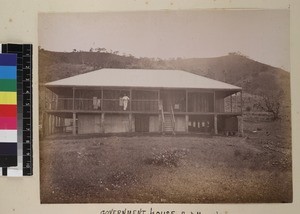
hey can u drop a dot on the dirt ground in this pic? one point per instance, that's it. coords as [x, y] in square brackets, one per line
[255, 168]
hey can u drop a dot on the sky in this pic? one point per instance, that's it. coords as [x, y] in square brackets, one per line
[262, 35]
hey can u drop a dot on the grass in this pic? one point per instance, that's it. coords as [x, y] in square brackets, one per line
[168, 169]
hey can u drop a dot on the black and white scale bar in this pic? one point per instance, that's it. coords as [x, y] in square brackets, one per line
[24, 104]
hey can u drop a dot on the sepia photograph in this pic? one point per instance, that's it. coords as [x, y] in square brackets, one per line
[187, 106]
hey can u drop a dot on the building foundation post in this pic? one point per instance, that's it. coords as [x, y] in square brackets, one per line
[55, 124]
[130, 122]
[49, 124]
[102, 122]
[64, 124]
[242, 102]
[74, 124]
[186, 123]
[52, 124]
[160, 123]
[231, 103]
[216, 124]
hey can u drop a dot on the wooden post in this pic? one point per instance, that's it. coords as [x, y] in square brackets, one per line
[52, 124]
[73, 98]
[130, 122]
[101, 104]
[63, 124]
[158, 98]
[57, 121]
[45, 98]
[74, 124]
[130, 98]
[55, 124]
[160, 123]
[56, 102]
[231, 102]
[50, 128]
[216, 124]
[241, 102]
[58, 124]
[214, 101]
[159, 111]
[186, 123]
[102, 122]
[51, 102]
[49, 124]
[186, 100]
[236, 108]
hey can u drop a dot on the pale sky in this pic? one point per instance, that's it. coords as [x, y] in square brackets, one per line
[262, 35]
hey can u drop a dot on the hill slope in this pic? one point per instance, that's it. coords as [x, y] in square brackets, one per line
[235, 69]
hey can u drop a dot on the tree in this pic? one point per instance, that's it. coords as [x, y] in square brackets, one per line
[270, 102]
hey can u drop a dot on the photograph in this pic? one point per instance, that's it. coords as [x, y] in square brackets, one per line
[181, 106]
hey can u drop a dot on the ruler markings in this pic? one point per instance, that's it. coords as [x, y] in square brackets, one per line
[24, 104]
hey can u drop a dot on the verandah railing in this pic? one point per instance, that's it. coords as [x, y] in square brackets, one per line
[105, 105]
[229, 104]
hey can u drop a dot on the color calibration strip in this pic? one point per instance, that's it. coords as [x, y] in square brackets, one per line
[24, 108]
[8, 112]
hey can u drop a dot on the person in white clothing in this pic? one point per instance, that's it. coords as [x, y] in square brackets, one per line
[125, 99]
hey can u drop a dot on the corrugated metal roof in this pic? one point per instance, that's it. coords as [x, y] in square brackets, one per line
[142, 78]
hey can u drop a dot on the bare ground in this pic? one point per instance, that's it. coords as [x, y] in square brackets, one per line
[169, 169]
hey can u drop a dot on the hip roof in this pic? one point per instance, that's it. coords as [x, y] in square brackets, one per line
[150, 78]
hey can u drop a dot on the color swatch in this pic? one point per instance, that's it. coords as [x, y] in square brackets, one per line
[16, 110]
[8, 110]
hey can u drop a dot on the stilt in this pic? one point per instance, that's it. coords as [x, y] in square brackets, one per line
[160, 123]
[130, 122]
[242, 102]
[102, 123]
[50, 128]
[216, 124]
[236, 106]
[55, 124]
[230, 103]
[186, 123]
[74, 124]
[63, 123]
[186, 100]
[49, 124]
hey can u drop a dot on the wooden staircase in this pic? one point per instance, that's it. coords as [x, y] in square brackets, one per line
[168, 120]
[168, 124]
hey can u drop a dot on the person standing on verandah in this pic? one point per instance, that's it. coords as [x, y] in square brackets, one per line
[125, 100]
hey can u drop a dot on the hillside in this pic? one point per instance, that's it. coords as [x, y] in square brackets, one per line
[252, 76]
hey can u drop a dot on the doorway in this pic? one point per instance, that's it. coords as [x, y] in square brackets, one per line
[141, 123]
[173, 99]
